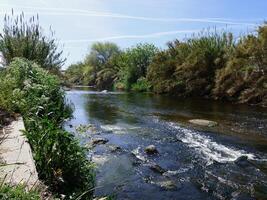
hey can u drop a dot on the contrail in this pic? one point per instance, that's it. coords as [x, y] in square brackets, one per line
[151, 35]
[82, 12]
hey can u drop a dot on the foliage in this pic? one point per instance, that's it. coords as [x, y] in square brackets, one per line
[211, 64]
[22, 38]
[107, 66]
[142, 85]
[61, 162]
[188, 68]
[18, 193]
[99, 57]
[244, 78]
[78, 74]
[135, 63]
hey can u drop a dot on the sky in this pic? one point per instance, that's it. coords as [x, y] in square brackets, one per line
[79, 23]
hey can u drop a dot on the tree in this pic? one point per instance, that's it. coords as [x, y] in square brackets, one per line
[100, 55]
[135, 62]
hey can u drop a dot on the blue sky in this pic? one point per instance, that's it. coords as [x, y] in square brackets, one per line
[79, 23]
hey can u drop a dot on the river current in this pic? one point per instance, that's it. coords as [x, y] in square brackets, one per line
[228, 161]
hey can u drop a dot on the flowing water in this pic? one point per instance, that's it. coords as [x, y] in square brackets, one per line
[228, 161]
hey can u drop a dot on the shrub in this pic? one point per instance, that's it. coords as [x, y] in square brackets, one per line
[141, 85]
[61, 163]
[22, 38]
[188, 68]
[244, 78]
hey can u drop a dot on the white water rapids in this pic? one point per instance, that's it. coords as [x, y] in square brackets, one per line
[209, 149]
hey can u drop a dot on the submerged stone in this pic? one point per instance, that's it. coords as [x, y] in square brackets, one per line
[114, 148]
[151, 149]
[96, 141]
[242, 161]
[203, 122]
[156, 168]
[168, 185]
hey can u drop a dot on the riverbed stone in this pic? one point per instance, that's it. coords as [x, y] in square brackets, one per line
[101, 198]
[96, 141]
[203, 122]
[242, 161]
[168, 185]
[114, 148]
[151, 149]
[156, 168]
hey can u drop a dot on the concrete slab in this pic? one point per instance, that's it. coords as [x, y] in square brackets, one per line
[15, 152]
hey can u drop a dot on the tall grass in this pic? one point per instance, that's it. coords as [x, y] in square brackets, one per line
[24, 38]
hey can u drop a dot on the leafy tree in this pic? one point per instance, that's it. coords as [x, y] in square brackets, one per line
[78, 74]
[22, 38]
[135, 62]
[99, 57]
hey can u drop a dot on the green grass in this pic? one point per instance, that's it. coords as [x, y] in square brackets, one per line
[18, 193]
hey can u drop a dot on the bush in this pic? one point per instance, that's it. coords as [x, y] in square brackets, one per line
[188, 68]
[61, 163]
[22, 38]
[141, 85]
[244, 78]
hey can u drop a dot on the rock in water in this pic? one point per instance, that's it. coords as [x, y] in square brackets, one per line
[168, 185]
[96, 141]
[104, 91]
[156, 168]
[151, 149]
[203, 122]
[242, 161]
[114, 148]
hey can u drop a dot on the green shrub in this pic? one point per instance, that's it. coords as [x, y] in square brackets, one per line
[61, 163]
[22, 38]
[141, 85]
[188, 68]
[60, 160]
[243, 79]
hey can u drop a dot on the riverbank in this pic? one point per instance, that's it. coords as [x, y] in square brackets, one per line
[60, 161]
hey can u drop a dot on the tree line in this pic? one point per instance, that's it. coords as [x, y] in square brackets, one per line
[210, 64]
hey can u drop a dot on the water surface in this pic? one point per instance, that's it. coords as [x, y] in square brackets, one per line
[224, 162]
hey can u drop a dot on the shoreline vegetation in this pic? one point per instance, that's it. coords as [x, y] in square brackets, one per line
[30, 86]
[210, 65]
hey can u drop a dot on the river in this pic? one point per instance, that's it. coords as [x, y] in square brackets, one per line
[228, 161]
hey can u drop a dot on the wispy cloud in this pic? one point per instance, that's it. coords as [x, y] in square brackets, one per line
[91, 13]
[152, 35]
